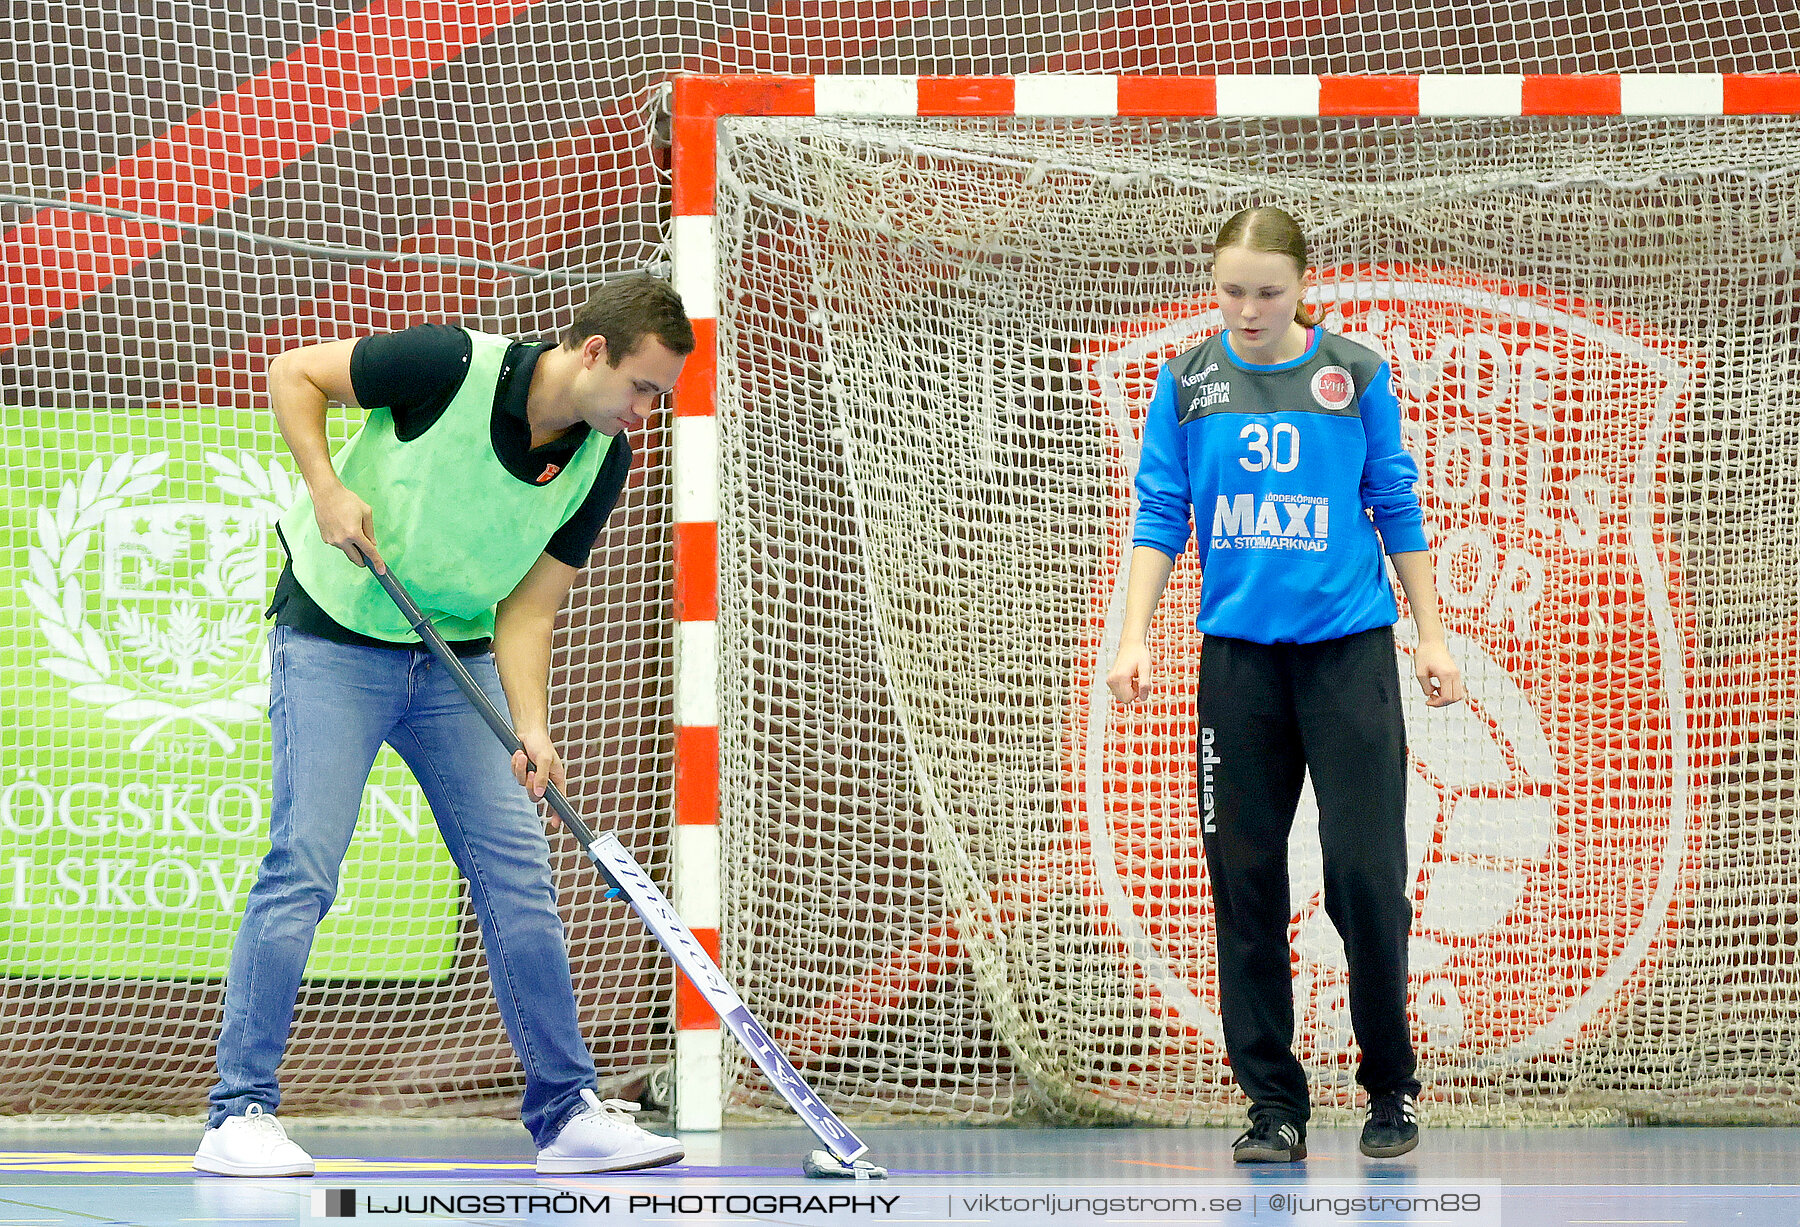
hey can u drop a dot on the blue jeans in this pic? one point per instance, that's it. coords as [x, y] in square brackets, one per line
[331, 705]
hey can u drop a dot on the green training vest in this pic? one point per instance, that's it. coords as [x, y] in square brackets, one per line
[456, 527]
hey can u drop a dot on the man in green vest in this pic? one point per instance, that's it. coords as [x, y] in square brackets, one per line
[484, 471]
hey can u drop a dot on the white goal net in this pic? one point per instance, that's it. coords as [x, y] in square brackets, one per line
[961, 881]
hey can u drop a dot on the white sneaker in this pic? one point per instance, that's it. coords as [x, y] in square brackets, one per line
[603, 1138]
[253, 1144]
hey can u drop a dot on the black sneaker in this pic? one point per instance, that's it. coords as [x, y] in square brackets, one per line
[1269, 1139]
[1393, 1125]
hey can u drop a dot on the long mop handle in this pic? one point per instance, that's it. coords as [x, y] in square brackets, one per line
[466, 683]
[623, 874]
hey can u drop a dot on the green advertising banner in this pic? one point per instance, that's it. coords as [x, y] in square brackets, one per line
[134, 752]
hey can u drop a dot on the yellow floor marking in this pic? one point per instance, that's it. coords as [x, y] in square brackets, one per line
[162, 1165]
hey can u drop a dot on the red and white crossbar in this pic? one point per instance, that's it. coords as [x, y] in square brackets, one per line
[699, 103]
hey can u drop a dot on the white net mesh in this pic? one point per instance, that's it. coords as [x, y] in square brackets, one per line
[190, 190]
[937, 341]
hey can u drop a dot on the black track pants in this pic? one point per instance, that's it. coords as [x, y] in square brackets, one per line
[1268, 713]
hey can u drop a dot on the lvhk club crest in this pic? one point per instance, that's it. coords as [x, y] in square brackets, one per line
[148, 606]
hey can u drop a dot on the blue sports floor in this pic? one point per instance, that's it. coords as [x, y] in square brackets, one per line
[70, 1177]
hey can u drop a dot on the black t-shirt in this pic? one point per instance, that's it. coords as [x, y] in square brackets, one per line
[416, 374]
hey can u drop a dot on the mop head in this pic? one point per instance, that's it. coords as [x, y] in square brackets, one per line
[823, 1164]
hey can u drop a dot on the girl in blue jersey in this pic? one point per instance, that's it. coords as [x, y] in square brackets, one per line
[1283, 443]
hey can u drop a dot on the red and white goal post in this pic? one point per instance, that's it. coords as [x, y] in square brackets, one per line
[956, 880]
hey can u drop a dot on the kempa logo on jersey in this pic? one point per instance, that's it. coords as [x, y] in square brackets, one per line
[1543, 904]
[1205, 397]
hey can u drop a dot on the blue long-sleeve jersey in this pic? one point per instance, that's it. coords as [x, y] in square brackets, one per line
[1296, 478]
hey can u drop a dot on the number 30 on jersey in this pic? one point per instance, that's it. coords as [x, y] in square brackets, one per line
[1277, 449]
